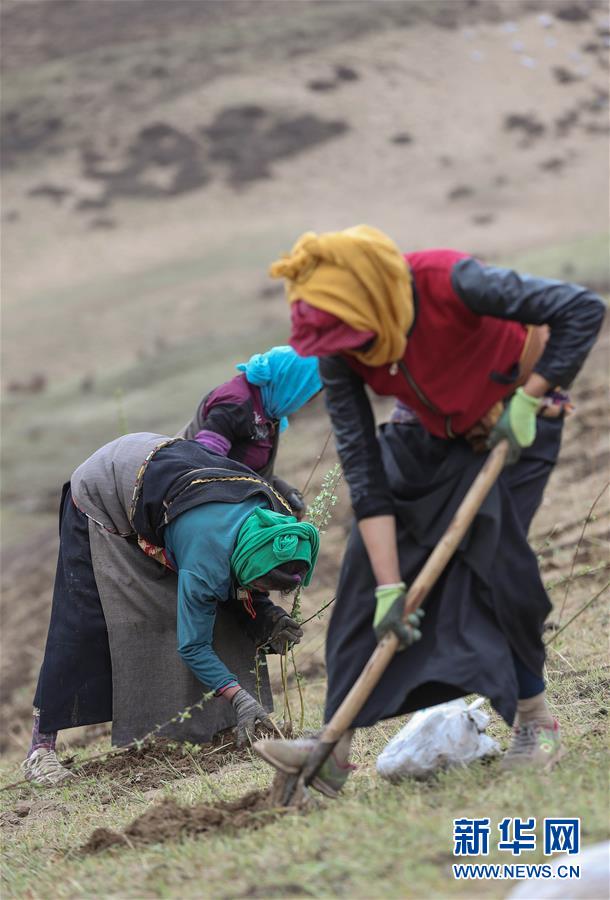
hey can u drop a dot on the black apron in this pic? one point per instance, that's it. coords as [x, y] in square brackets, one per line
[488, 604]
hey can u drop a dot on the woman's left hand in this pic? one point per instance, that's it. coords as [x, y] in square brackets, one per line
[249, 712]
[517, 424]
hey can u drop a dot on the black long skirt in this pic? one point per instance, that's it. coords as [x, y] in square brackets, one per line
[75, 681]
[488, 604]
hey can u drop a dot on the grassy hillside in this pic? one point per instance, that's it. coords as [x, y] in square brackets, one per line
[157, 157]
[379, 840]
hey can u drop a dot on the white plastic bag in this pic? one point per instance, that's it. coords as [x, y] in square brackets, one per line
[445, 735]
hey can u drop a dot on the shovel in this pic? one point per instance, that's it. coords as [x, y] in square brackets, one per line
[289, 790]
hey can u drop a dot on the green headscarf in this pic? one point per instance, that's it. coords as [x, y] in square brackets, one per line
[267, 539]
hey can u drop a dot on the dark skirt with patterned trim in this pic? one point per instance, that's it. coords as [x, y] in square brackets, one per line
[489, 603]
[111, 646]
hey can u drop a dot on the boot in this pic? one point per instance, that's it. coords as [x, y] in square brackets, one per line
[290, 757]
[534, 745]
[536, 741]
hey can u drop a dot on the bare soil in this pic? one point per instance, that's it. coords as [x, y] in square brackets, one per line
[168, 821]
[160, 762]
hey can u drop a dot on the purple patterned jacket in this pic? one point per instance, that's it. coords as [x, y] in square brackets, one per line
[231, 421]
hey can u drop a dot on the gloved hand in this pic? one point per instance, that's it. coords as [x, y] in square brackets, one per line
[285, 634]
[389, 612]
[297, 503]
[292, 495]
[517, 423]
[248, 712]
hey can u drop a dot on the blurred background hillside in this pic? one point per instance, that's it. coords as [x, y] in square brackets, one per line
[157, 155]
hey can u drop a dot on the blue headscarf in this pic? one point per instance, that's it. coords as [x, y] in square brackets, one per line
[286, 380]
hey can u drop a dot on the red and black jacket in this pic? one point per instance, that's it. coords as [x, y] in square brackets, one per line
[462, 356]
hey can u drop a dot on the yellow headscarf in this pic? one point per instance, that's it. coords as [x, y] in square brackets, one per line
[358, 275]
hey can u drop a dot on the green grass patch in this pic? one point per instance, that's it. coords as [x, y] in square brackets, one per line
[378, 840]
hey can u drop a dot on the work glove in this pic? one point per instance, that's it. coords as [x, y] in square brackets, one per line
[389, 615]
[517, 424]
[248, 712]
[297, 503]
[285, 634]
[292, 495]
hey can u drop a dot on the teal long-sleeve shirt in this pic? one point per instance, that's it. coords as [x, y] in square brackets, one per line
[200, 543]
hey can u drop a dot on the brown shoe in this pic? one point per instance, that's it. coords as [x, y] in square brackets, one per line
[534, 745]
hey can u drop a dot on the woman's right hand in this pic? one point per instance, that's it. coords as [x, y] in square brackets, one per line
[292, 495]
[297, 504]
[285, 634]
[379, 537]
[389, 615]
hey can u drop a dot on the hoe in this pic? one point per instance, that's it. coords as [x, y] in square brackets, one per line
[289, 790]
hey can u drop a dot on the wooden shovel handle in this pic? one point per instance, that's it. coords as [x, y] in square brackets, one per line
[423, 583]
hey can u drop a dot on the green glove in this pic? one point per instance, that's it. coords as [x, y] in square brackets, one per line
[389, 615]
[517, 423]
